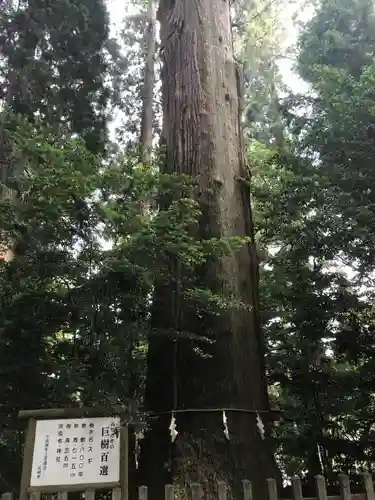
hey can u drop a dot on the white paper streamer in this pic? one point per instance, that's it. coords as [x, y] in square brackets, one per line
[260, 426]
[172, 428]
[138, 436]
[225, 422]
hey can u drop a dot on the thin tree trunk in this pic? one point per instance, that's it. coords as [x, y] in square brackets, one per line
[203, 139]
[146, 138]
[6, 159]
[148, 85]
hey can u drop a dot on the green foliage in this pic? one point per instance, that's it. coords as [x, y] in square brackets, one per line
[259, 36]
[314, 215]
[75, 303]
[340, 35]
[54, 64]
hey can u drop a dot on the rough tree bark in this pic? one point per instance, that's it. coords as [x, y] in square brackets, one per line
[203, 138]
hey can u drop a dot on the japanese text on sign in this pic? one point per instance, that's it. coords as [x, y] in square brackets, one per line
[76, 451]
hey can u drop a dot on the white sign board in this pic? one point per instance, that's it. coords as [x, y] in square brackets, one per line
[76, 451]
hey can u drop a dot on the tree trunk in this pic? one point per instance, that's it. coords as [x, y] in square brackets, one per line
[148, 83]
[203, 139]
[6, 166]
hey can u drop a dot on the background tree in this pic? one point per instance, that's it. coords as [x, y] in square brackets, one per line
[53, 57]
[308, 205]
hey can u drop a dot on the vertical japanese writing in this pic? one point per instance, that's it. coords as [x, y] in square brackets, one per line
[75, 451]
[90, 442]
[60, 440]
[60, 443]
[66, 449]
[104, 445]
[46, 447]
[81, 451]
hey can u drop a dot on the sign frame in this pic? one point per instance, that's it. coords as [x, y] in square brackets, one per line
[51, 414]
